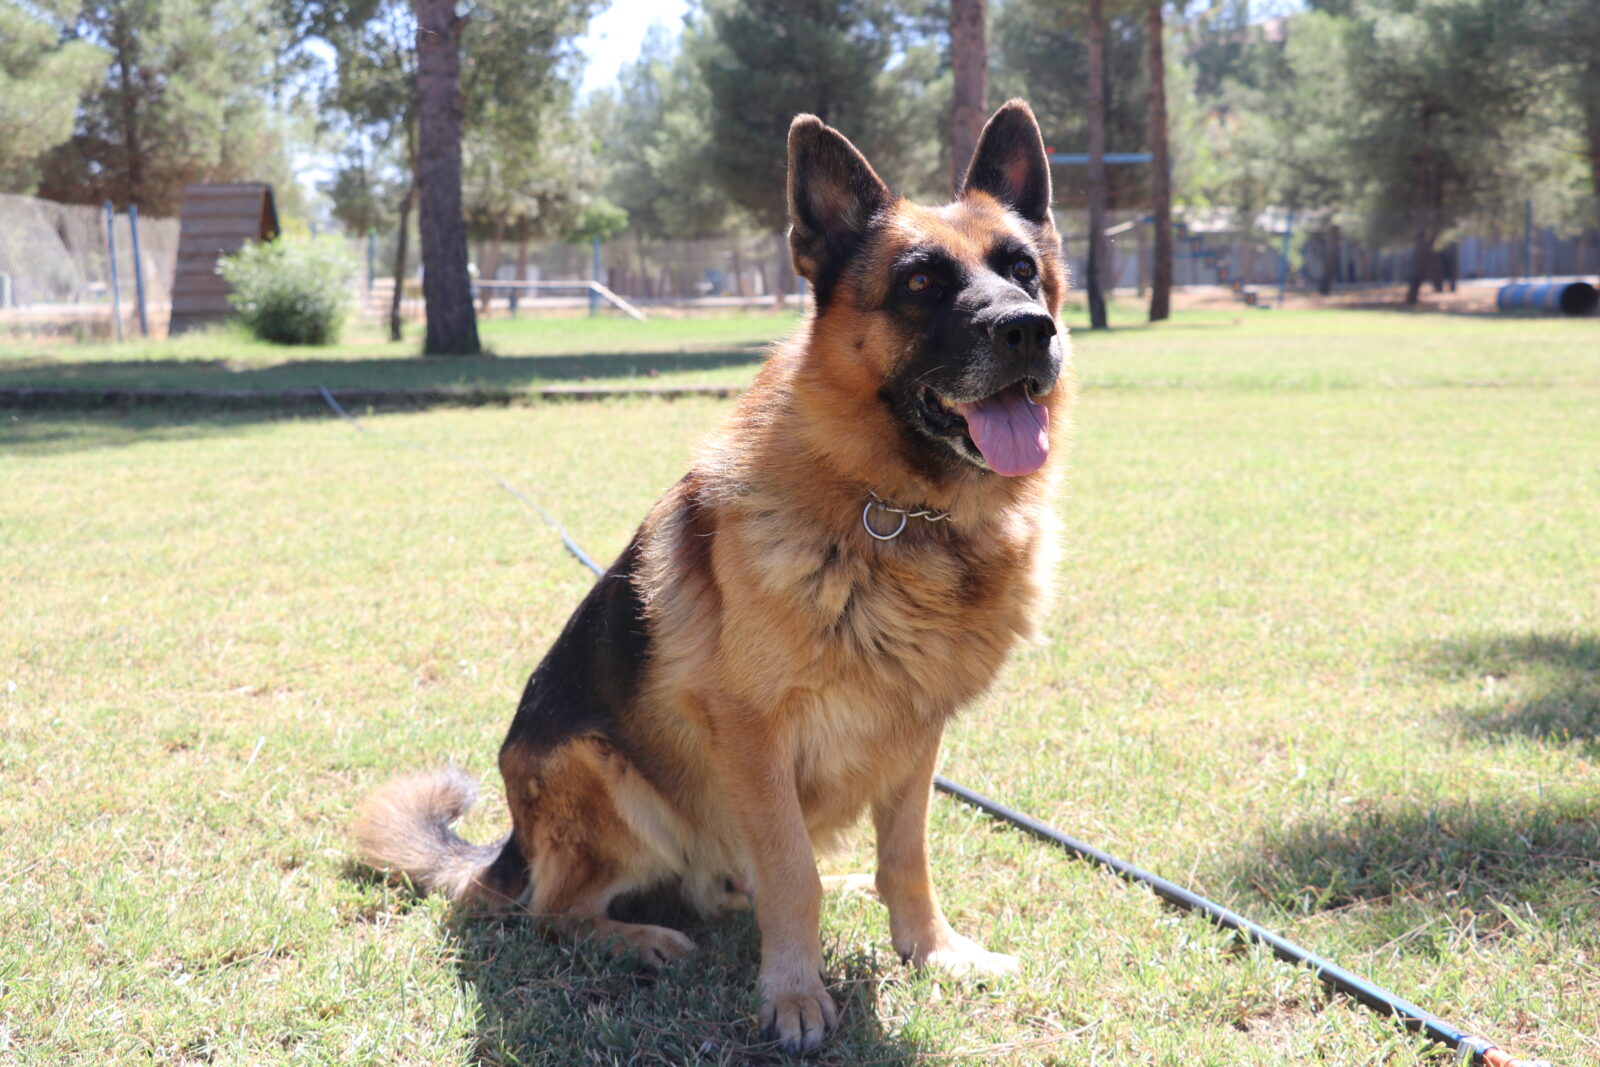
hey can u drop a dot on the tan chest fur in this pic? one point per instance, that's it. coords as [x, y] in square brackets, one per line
[851, 650]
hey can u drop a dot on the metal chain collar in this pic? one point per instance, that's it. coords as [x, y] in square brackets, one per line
[906, 515]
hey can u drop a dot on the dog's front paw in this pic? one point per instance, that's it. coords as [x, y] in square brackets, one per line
[960, 957]
[798, 1019]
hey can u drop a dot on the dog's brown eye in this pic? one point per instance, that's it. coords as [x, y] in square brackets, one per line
[1024, 269]
[918, 282]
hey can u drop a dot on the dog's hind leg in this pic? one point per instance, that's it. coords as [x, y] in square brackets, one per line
[591, 831]
[585, 916]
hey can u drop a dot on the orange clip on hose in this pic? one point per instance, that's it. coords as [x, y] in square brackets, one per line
[1499, 1057]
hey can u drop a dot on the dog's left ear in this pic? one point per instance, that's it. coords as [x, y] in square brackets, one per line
[833, 196]
[1010, 163]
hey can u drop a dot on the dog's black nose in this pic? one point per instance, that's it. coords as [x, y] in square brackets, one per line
[1025, 332]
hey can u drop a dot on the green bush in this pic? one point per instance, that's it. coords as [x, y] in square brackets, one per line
[290, 293]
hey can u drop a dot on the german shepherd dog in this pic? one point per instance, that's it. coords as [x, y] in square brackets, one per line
[847, 563]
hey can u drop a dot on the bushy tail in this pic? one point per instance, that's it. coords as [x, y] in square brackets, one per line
[404, 826]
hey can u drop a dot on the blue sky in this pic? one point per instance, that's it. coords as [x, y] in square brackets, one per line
[615, 35]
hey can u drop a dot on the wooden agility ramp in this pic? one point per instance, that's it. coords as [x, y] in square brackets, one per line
[217, 220]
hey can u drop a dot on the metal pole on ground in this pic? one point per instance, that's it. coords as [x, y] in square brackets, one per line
[1283, 265]
[594, 273]
[138, 270]
[111, 256]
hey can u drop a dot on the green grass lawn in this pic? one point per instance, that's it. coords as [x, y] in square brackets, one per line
[1264, 349]
[1327, 649]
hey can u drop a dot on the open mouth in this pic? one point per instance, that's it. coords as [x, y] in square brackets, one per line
[1007, 428]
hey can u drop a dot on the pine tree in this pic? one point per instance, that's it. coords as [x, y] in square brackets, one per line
[655, 132]
[41, 79]
[185, 100]
[1413, 115]
[1566, 44]
[491, 80]
[764, 61]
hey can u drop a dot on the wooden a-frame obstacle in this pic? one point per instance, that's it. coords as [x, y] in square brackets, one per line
[217, 220]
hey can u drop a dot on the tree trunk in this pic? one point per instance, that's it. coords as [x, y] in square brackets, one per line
[1160, 166]
[1097, 165]
[395, 324]
[1329, 243]
[1421, 252]
[1590, 76]
[125, 45]
[969, 69]
[491, 265]
[786, 274]
[1422, 247]
[446, 286]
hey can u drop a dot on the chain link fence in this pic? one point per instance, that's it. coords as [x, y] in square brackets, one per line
[57, 277]
[65, 273]
[1308, 251]
[728, 271]
[1312, 251]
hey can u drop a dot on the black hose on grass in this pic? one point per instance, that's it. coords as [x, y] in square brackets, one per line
[1475, 1050]
[1380, 1000]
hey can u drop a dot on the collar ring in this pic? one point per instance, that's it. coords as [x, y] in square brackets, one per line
[866, 522]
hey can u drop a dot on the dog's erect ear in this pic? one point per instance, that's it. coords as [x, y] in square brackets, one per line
[1010, 163]
[833, 195]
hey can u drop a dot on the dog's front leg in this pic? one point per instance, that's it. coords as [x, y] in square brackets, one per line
[757, 767]
[917, 924]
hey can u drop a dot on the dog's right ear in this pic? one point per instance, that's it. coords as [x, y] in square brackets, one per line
[833, 196]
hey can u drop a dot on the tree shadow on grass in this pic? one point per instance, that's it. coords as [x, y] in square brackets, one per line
[549, 1000]
[411, 373]
[34, 433]
[104, 410]
[1542, 686]
[1398, 863]
[1425, 307]
[1458, 856]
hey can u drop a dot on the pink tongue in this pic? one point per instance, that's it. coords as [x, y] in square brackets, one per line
[1010, 430]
